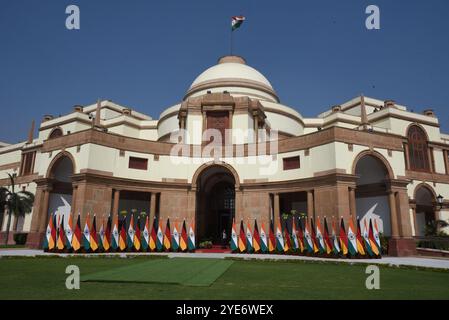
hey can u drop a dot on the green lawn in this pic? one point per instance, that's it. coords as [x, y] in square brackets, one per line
[44, 278]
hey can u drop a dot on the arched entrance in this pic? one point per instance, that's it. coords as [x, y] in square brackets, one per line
[60, 172]
[215, 187]
[425, 209]
[371, 191]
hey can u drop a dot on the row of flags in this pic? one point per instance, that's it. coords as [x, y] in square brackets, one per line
[112, 238]
[308, 238]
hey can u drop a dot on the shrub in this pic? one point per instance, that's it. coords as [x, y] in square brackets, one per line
[205, 245]
[20, 238]
[384, 243]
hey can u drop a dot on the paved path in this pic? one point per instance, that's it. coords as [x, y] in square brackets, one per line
[393, 261]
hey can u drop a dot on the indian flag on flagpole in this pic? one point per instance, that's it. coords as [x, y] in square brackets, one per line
[234, 239]
[236, 22]
[263, 239]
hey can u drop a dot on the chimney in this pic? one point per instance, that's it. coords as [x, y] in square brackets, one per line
[336, 108]
[98, 114]
[31, 133]
[389, 103]
[365, 121]
[78, 108]
[429, 113]
[126, 112]
[47, 117]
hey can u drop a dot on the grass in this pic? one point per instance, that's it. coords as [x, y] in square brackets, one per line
[12, 246]
[44, 278]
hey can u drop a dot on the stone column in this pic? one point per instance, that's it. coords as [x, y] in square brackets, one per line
[74, 192]
[310, 204]
[115, 205]
[352, 204]
[393, 215]
[407, 156]
[152, 206]
[277, 210]
[239, 214]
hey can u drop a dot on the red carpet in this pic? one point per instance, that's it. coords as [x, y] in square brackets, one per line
[214, 249]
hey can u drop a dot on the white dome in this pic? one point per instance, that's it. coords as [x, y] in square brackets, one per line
[233, 75]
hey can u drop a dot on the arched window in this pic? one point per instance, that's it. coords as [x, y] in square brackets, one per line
[417, 147]
[56, 133]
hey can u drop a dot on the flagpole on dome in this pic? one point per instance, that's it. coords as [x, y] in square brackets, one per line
[236, 22]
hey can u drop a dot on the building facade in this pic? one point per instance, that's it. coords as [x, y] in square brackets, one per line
[231, 150]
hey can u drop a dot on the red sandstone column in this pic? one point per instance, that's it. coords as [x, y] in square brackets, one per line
[352, 204]
[276, 210]
[310, 204]
[393, 215]
[152, 206]
[116, 203]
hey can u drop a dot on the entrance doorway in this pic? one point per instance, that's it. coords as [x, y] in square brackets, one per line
[215, 204]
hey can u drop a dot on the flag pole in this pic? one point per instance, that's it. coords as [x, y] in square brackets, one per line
[231, 41]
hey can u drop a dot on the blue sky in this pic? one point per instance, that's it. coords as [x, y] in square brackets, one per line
[145, 54]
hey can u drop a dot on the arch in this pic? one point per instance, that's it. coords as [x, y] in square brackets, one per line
[416, 124]
[56, 160]
[418, 148]
[211, 164]
[55, 133]
[426, 186]
[376, 155]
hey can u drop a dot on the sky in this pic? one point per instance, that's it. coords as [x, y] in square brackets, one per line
[145, 54]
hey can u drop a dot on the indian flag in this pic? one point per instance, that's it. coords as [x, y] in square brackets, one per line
[366, 238]
[191, 243]
[263, 239]
[352, 241]
[319, 236]
[47, 239]
[335, 244]
[160, 238]
[101, 233]
[175, 238]
[115, 235]
[236, 22]
[131, 233]
[234, 240]
[308, 238]
[146, 235]
[69, 233]
[86, 234]
[295, 236]
[279, 239]
[249, 239]
[377, 237]
[372, 240]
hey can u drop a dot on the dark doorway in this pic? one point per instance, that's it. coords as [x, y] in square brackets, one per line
[216, 204]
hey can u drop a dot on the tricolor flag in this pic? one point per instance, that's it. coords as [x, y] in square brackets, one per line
[308, 237]
[167, 236]
[183, 241]
[366, 238]
[236, 22]
[343, 238]
[146, 235]
[192, 243]
[319, 237]
[86, 234]
[115, 235]
[295, 236]
[175, 238]
[107, 235]
[377, 237]
[352, 241]
[327, 240]
[122, 236]
[249, 239]
[359, 239]
[300, 236]
[271, 238]
[256, 238]
[61, 241]
[137, 235]
[313, 236]
[335, 242]
[49, 243]
[77, 236]
[242, 238]
[131, 233]
[263, 239]
[279, 238]
[153, 235]
[69, 233]
[101, 233]
[160, 238]
[372, 239]
[93, 236]
[287, 241]
[234, 238]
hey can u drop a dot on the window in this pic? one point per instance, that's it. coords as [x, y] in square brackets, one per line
[138, 163]
[291, 163]
[56, 133]
[28, 163]
[418, 149]
[218, 120]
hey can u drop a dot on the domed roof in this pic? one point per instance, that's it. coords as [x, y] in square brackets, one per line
[234, 75]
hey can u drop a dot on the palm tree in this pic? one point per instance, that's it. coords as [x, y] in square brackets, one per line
[15, 203]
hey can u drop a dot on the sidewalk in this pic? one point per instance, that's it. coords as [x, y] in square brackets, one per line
[392, 261]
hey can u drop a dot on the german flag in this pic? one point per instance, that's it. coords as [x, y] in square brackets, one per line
[107, 235]
[153, 236]
[359, 239]
[122, 236]
[183, 240]
[271, 238]
[327, 240]
[242, 238]
[76, 239]
[167, 236]
[61, 236]
[256, 238]
[137, 235]
[52, 242]
[287, 241]
[93, 235]
[300, 236]
[343, 238]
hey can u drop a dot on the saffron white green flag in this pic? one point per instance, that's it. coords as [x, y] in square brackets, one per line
[234, 240]
[175, 238]
[263, 238]
[352, 243]
[237, 22]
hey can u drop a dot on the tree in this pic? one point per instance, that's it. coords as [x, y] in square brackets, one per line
[15, 203]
